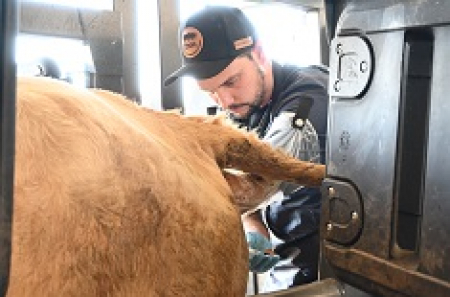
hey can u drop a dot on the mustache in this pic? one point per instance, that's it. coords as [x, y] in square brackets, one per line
[235, 106]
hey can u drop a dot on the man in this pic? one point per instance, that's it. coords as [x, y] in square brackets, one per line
[287, 107]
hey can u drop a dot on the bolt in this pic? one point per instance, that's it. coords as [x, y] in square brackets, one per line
[331, 191]
[355, 216]
[329, 227]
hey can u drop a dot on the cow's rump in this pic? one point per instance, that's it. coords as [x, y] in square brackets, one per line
[115, 200]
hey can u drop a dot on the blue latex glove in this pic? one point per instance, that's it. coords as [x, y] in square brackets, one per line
[258, 261]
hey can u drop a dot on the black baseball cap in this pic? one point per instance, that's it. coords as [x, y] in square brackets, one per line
[211, 39]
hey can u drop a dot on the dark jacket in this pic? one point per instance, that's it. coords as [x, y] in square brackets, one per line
[295, 218]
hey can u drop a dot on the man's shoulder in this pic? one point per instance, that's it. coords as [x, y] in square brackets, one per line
[294, 83]
[318, 68]
[305, 77]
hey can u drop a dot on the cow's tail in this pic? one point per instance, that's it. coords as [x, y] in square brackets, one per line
[249, 154]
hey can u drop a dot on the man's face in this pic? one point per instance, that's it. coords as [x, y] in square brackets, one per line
[238, 88]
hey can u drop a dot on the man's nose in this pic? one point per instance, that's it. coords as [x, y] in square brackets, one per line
[225, 98]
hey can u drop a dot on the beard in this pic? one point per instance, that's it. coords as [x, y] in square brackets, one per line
[256, 102]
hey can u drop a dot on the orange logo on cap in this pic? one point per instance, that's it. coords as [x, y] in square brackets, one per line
[192, 42]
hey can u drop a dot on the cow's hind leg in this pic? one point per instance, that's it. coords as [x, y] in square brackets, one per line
[249, 190]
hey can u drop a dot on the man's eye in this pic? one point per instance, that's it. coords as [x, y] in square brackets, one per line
[232, 81]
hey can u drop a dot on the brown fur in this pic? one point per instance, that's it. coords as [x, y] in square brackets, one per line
[115, 200]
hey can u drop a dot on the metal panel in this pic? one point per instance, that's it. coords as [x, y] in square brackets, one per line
[361, 143]
[128, 39]
[370, 16]
[170, 54]
[102, 30]
[390, 146]
[56, 20]
[435, 244]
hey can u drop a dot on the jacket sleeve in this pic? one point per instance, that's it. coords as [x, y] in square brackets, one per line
[301, 143]
[296, 214]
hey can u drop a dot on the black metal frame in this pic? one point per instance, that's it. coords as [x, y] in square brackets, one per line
[8, 27]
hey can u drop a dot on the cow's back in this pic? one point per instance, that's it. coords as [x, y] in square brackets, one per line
[109, 201]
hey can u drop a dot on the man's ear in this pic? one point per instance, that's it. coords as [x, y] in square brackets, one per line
[260, 56]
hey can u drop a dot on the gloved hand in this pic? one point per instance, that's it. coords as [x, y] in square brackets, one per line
[259, 261]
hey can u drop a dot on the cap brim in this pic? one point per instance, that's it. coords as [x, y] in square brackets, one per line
[199, 70]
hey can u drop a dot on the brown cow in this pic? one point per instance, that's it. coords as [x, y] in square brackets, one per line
[115, 200]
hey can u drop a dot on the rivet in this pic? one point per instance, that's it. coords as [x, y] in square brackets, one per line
[339, 48]
[299, 122]
[337, 86]
[363, 66]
